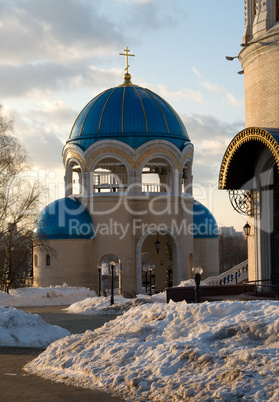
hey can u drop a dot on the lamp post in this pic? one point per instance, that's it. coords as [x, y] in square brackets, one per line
[231, 58]
[150, 278]
[157, 244]
[112, 264]
[145, 269]
[100, 280]
[197, 271]
[247, 229]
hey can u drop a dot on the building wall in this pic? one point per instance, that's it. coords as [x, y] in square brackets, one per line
[261, 80]
[71, 262]
[118, 232]
[251, 254]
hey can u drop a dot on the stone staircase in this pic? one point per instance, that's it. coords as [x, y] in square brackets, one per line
[234, 275]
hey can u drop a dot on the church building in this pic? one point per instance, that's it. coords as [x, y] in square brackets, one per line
[249, 169]
[128, 205]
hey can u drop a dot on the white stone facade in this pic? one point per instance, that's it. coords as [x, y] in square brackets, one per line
[130, 213]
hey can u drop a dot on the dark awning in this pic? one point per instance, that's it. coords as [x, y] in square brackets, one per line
[239, 160]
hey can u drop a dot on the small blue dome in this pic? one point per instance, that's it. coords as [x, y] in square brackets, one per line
[65, 218]
[130, 114]
[205, 225]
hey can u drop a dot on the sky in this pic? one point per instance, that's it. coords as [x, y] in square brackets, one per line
[57, 55]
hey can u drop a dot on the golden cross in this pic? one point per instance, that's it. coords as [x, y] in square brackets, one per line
[126, 50]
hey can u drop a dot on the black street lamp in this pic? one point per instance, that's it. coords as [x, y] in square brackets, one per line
[197, 271]
[150, 279]
[247, 229]
[112, 264]
[100, 280]
[157, 244]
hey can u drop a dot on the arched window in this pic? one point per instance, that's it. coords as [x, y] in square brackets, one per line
[110, 175]
[48, 260]
[35, 260]
[105, 274]
[277, 10]
[157, 176]
[74, 183]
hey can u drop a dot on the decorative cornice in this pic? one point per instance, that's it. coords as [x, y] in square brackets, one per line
[109, 151]
[74, 155]
[249, 134]
[154, 151]
[188, 155]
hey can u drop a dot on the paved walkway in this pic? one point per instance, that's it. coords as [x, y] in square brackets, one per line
[16, 385]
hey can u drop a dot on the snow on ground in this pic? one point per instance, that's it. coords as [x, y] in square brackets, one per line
[225, 351]
[190, 282]
[101, 305]
[50, 296]
[27, 330]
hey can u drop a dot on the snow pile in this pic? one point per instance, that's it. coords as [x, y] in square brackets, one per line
[190, 282]
[27, 330]
[170, 352]
[101, 305]
[51, 296]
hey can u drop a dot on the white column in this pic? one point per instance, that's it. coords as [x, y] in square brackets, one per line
[86, 188]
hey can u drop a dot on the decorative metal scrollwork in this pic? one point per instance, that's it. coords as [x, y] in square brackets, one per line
[242, 201]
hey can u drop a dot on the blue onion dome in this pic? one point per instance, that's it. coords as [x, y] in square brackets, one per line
[205, 225]
[128, 113]
[65, 218]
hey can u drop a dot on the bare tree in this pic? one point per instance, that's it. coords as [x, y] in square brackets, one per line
[19, 205]
[232, 251]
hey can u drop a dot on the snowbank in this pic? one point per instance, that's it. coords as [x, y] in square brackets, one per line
[27, 330]
[190, 282]
[101, 305]
[51, 296]
[224, 351]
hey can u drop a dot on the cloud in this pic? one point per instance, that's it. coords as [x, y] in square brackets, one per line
[137, 1]
[197, 73]
[44, 131]
[233, 101]
[210, 138]
[212, 147]
[195, 96]
[53, 30]
[225, 95]
[26, 79]
[53, 45]
[212, 87]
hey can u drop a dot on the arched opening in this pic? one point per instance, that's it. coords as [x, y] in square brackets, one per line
[157, 176]
[35, 260]
[166, 257]
[111, 263]
[148, 273]
[187, 178]
[73, 178]
[110, 175]
[275, 232]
